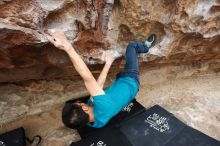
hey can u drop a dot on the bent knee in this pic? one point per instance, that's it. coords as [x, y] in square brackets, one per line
[132, 44]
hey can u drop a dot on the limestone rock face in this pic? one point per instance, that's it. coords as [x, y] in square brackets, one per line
[181, 72]
[187, 32]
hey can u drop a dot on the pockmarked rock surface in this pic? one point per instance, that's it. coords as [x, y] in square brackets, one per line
[181, 72]
[187, 31]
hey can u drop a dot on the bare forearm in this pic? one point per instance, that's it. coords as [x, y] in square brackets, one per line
[90, 82]
[103, 75]
[79, 64]
[58, 38]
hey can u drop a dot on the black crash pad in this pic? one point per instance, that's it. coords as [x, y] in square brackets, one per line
[192, 137]
[152, 127]
[13, 138]
[105, 137]
[157, 127]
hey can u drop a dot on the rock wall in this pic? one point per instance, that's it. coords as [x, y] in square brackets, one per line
[181, 72]
[187, 31]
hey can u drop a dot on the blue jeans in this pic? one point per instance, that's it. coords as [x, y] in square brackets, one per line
[131, 68]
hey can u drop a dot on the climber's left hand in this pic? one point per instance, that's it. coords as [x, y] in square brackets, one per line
[58, 38]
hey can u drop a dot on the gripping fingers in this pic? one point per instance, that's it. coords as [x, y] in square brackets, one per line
[51, 39]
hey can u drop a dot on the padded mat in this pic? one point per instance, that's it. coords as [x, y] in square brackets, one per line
[153, 127]
[192, 137]
[157, 127]
[13, 138]
[106, 137]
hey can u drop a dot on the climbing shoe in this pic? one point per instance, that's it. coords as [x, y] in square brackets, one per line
[150, 40]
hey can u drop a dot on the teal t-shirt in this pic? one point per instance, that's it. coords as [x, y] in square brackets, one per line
[116, 97]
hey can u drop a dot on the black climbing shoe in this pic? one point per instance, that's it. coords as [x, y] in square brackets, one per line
[150, 40]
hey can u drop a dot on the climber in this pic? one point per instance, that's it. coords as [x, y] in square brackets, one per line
[103, 104]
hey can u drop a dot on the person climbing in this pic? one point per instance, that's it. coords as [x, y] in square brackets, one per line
[103, 104]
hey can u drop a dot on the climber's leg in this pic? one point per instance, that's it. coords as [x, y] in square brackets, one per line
[133, 49]
[131, 66]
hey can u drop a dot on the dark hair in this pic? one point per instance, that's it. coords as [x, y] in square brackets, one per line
[73, 116]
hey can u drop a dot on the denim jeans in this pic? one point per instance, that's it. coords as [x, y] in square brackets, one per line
[131, 68]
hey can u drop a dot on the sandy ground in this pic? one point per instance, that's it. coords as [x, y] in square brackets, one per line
[195, 99]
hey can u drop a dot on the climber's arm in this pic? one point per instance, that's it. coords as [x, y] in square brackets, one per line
[58, 38]
[108, 62]
[102, 77]
[90, 82]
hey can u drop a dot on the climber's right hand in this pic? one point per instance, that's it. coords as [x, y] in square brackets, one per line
[58, 38]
